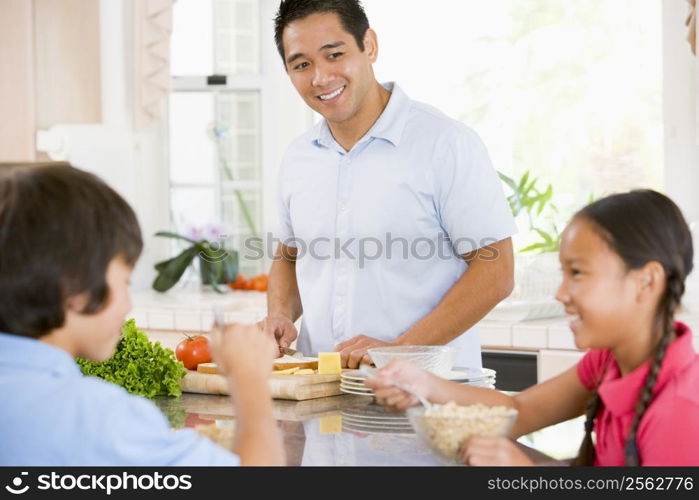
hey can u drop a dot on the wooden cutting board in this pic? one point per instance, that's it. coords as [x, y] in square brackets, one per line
[294, 387]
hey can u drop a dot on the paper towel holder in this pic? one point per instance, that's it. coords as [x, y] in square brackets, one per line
[52, 144]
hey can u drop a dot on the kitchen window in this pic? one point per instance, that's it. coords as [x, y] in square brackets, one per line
[215, 121]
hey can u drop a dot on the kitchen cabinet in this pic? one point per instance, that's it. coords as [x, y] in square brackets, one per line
[551, 363]
[50, 64]
[17, 82]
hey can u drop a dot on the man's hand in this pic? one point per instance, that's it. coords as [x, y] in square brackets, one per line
[281, 328]
[489, 451]
[353, 352]
[243, 352]
[403, 373]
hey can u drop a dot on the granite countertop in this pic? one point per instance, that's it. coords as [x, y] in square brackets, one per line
[328, 431]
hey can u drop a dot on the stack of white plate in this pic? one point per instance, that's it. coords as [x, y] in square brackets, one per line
[375, 419]
[352, 381]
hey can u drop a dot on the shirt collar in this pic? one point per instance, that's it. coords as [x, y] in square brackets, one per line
[620, 394]
[27, 354]
[389, 126]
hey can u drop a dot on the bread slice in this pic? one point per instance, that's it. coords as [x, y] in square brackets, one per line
[286, 362]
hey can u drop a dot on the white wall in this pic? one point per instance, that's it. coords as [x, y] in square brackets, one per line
[680, 110]
[284, 115]
[681, 113]
[141, 172]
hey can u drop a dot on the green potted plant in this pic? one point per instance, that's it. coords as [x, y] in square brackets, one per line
[217, 265]
[528, 198]
[537, 271]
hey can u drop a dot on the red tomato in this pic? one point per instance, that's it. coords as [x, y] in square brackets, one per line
[260, 283]
[192, 351]
[240, 283]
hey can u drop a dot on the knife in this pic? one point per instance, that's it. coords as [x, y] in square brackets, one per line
[285, 351]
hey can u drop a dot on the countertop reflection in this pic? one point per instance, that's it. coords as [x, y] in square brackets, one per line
[342, 430]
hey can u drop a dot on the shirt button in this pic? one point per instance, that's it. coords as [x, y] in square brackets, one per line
[343, 206]
[340, 299]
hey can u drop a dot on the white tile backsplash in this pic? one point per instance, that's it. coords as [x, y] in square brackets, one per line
[496, 334]
[188, 320]
[161, 319]
[560, 337]
[140, 315]
[190, 308]
[529, 336]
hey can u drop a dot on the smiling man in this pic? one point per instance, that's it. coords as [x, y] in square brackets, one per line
[394, 226]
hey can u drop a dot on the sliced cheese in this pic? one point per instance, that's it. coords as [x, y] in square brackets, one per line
[331, 424]
[305, 371]
[289, 371]
[329, 363]
[207, 368]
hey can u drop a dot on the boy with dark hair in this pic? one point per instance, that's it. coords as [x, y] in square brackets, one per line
[68, 244]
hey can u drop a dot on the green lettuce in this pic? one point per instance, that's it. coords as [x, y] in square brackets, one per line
[139, 366]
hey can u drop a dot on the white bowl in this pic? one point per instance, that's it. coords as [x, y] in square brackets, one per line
[437, 359]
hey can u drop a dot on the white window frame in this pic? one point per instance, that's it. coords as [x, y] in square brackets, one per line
[233, 84]
[283, 116]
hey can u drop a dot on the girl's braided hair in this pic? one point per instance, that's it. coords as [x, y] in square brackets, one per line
[642, 226]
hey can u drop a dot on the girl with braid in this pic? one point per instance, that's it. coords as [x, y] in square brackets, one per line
[625, 259]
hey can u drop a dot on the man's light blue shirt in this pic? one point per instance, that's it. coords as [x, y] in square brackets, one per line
[380, 229]
[53, 415]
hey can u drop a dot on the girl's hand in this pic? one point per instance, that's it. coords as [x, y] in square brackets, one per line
[485, 451]
[403, 373]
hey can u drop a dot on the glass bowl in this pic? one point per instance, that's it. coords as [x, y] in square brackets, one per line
[444, 428]
[437, 359]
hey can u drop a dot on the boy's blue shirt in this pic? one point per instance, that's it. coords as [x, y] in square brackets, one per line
[53, 415]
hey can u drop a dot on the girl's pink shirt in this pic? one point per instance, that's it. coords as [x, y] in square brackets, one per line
[668, 434]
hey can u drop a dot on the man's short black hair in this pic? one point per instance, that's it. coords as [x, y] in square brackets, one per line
[350, 12]
[60, 227]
